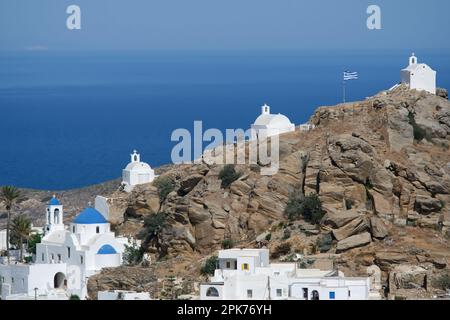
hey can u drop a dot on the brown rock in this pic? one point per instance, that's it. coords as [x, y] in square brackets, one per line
[356, 226]
[354, 242]
[378, 228]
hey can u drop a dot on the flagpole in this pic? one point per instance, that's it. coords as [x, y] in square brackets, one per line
[343, 90]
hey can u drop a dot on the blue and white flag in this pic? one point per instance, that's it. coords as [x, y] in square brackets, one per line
[350, 75]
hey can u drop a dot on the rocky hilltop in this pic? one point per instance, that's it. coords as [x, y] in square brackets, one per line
[380, 167]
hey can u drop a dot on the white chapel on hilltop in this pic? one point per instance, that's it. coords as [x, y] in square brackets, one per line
[136, 172]
[66, 257]
[267, 124]
[419, 76]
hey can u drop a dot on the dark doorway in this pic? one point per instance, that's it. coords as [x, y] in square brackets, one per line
[59, 281]
[315, 295]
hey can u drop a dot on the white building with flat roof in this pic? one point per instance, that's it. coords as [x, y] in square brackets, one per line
[66, 257]
[247, 274]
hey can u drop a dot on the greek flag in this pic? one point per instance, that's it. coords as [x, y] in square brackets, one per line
[350, 75]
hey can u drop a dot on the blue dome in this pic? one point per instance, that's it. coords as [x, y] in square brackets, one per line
[106, 249]
[90, 216]
[54, 202]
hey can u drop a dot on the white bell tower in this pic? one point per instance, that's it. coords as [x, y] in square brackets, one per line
[265, 109]
[135, 157]
[53, 216]
[412, 59]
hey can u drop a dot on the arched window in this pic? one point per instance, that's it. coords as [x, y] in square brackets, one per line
[49, 216]
[135, 158]
[212, 292]
[56, 216]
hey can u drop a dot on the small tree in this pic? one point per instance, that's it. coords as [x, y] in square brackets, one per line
[20, 231]
[35, 238]
[228, 175]
[132, 254]
[165, 185]
[9, 196]
[154, 223]
[210, 266]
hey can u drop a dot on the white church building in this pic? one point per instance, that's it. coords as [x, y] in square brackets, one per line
[268, 125]
[419, 76]
[136, 172]
[65, 258]
[247, 274]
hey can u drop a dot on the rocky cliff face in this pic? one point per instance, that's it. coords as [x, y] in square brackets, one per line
[381, 168]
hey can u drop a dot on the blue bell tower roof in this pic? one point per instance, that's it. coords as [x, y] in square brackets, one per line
[54, 202]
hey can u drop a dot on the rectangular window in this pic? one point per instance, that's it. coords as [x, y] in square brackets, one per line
[249, 293]
[43, 257]
[23, 283]
[235, 265]
[305, 293]
[68, 252]
[332, 295]
[279, 292]
[349, 294]
[228, 265]
[245, 266]
[81, 259]
[59, 258]
[12, 280]
[73, 229]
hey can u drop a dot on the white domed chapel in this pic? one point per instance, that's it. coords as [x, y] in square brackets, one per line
[136, 172]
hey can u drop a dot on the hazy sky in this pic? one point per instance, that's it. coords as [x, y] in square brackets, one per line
[224, 24]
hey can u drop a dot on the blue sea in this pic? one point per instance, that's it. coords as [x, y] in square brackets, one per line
[71, 119]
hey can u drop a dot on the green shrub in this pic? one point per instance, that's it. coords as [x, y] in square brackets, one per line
[443, 282]
[132, 255]
[309, 207]
[210, 266]
[286, 234]
[155, 222]
[74, 297]
[268, 237]
[228, 175]
[165, 185]
[227, 244]
[324, 242]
